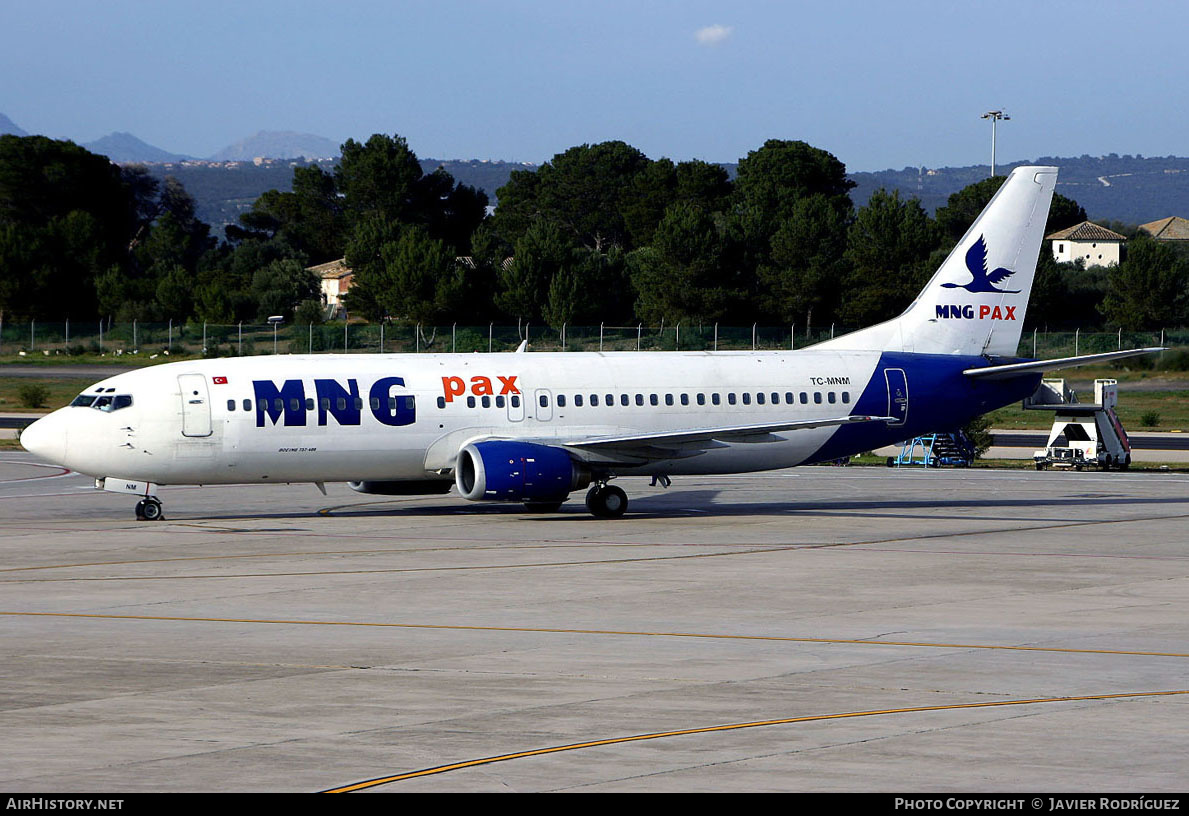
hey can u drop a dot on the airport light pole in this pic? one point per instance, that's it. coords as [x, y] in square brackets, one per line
[994, 116]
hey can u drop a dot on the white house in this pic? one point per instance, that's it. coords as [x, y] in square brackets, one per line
[1092, 244]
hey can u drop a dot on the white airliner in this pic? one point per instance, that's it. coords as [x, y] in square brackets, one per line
[534, 427]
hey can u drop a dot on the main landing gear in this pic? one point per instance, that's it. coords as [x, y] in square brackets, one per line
[149, 509]
[606, 501]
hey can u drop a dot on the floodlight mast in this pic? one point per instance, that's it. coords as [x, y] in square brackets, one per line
[994, 116]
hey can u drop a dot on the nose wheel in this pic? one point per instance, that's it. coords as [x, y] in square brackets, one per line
[149, 509]
[606, 501]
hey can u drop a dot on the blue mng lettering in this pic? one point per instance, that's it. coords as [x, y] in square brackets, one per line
[287, 402]
[951, 310]
[286, 405]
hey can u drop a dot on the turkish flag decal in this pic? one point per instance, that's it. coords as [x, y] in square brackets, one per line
[219, 380]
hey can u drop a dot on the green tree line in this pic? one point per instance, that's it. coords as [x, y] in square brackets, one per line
[600, 233]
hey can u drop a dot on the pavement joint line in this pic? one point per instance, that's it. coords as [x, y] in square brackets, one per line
[440, 769]
[749, 550]
[611, 632]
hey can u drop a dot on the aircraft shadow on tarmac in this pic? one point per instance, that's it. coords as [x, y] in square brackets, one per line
[717, 503]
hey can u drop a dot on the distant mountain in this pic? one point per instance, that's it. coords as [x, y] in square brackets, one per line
[1131, 189]
[279, 144]
[124, 147]
[9, 126]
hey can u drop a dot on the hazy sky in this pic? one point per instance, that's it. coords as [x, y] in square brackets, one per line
[879, 84]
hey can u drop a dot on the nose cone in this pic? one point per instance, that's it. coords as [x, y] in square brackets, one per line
[47, 438]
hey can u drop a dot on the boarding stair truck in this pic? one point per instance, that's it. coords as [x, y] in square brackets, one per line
[1083, 435]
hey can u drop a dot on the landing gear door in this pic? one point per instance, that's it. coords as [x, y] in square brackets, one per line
[196, 405]
[897, 395]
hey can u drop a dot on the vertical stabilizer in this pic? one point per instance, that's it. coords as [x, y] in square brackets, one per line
[975, 303]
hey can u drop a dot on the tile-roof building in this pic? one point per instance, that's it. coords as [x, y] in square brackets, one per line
[1090, 243]
[1173, 228]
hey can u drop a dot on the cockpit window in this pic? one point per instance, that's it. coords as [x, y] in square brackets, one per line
[102, 402]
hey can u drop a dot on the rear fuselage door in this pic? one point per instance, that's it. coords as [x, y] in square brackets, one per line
[897, 395]
[196, 405]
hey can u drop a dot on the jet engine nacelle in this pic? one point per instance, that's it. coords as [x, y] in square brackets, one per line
[419, 487]
[517, 472]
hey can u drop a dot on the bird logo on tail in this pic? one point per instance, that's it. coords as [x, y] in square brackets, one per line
[983, 281]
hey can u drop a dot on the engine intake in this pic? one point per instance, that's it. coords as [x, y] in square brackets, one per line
[517, 472]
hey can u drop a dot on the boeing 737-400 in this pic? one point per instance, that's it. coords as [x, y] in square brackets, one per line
[534, 427]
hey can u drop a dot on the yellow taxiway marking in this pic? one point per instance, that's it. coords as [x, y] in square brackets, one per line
[384, 780]
[619, 632]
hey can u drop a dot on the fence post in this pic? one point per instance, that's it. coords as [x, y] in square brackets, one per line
[204, 338]
[1120, 338]
[1076, 336]
[792, 337]
[68, 334]
[1034, 342]
[241, 338]
[170, 346]
[716, 337]
[753, 336]
[639, 331]
[601, 337]
[831, 331]
[453, 338]
[417, 337]
[311, 338]
[32, 335]
[563, 336]
[345, 337]
[135, 343]
[677, 344]
[101, 335]
[381, 336]
[490, 332]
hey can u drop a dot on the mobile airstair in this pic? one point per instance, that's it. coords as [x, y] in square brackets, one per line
[1083, 435]
[935, 450]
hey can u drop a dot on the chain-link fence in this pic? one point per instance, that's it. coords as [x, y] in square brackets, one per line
[218, 340]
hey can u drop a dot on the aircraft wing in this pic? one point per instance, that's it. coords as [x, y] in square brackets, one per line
[1000, 372]
[686, 443]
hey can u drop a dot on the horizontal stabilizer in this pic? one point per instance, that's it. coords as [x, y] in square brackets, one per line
[1002, 372]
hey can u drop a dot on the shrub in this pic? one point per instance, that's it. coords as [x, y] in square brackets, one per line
[1150, 419]
[33, 395]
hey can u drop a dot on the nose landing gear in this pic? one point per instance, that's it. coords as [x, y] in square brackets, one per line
[149, 509]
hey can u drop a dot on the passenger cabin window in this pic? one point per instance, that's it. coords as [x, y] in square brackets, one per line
[561, 400]
[817, 397]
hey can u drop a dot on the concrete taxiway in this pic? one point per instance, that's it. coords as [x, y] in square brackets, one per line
[815, 629]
